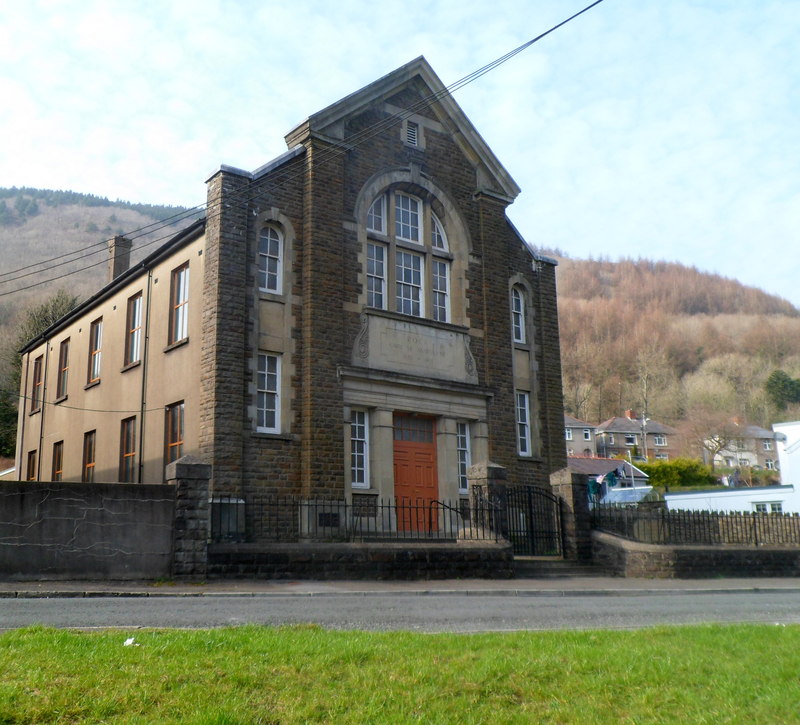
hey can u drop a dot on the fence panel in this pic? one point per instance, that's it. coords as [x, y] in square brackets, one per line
[660, 526]
[364, 518]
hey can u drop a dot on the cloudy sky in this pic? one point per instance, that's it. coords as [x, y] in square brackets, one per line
[663, 129]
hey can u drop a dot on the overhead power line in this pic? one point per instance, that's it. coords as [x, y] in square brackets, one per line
[281, 178]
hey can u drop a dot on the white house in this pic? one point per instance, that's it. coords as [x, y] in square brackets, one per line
[760, 499]
[787, 441]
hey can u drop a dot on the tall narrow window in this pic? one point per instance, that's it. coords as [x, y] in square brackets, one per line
[441, 293]
[376, 216]
[133, 330]
[376, 275]
[30, 474]
[63, 370]
[406, 217]
[89, 441]
[95, 350]
[38, 384]
[359, 449]
[518, 315]
[58, 461]
[523, 424]
[270, 260]
[173, 442]
[179, 304]
[464, 455]
[438, 239]
[127, 451]
[268, 401]
[408, 273]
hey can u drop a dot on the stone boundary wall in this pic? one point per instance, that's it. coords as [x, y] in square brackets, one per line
[361, 561]
[85, 530]
[622, 557]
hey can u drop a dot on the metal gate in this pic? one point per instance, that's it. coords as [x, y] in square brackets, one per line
[534, 521]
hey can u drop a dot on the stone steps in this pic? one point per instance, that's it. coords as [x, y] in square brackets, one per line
[534, 567]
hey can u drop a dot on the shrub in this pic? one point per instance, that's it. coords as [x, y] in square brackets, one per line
[686, 472]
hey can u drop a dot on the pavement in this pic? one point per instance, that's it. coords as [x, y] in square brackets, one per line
[533, 586]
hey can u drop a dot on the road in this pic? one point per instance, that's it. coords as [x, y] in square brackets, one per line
[449, 611]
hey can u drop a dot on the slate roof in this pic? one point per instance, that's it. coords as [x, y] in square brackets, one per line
[626, 425]
[570, 422]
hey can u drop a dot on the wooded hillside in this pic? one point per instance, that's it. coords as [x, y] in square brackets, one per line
[689, 348]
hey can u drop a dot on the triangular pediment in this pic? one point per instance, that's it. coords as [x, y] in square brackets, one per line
[413, 85]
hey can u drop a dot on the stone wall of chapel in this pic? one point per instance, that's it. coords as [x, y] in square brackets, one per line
[317, 194]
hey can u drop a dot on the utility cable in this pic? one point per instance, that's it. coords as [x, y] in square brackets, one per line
[247, 195]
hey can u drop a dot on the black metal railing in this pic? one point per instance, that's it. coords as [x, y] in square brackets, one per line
[661, 526]
[364, 518]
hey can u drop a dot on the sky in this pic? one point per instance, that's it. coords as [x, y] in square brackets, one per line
[656, 129]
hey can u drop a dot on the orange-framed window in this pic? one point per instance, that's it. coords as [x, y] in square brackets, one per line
[179, 304]
[173, 438]
[95, 349]
[30, 473]
[58, 461]
[133, 330]
[63, 369]
[38, 384]
[127, 451]
[89, 443]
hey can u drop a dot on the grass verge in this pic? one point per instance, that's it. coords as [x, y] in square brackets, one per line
[703, 674]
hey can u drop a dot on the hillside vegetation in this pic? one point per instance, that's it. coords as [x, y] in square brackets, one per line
[689, 348]
[54, 239]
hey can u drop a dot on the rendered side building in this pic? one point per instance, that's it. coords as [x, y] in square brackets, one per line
[356, 317]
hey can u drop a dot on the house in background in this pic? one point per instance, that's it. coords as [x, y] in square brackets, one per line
[787, 444]
[755, 499]
[639, 438]
[750, 446]
[356, 318]
[579, 437]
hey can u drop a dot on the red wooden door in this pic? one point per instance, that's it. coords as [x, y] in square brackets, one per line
[415, 481]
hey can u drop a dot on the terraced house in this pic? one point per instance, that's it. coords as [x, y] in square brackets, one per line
[358, 317]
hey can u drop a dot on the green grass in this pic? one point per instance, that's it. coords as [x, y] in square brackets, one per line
[705, 674]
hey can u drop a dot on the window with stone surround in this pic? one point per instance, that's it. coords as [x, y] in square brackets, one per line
[268, 398]
[408, 257]
[523, 408]
[464, 455]
[359, 448]
[518, 315]
[270, 260]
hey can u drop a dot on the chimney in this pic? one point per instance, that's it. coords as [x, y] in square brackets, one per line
[119, 256]
[629, 414]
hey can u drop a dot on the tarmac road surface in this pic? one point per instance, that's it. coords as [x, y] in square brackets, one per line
[424, 607]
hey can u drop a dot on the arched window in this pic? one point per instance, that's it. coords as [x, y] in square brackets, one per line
[270, 260]
[518, 315]
[408, 257]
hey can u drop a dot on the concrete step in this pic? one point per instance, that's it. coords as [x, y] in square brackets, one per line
[533, 567]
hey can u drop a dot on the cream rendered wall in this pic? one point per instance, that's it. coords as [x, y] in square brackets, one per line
[164, 377]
